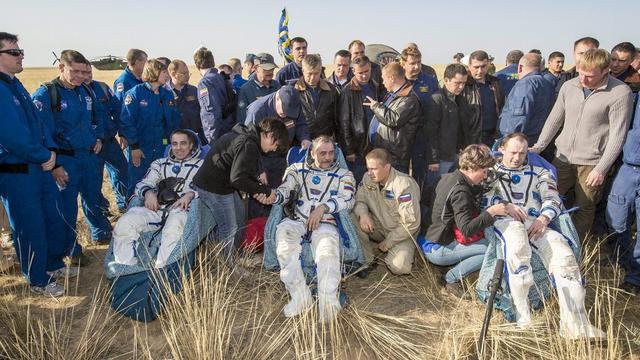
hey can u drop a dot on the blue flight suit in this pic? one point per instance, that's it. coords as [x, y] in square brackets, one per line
[146, 121]
[528, 106]
[251, 91]
[125, 82]
[238, 82]
[212, 95]
[423, 86]
[189, 107]
[75, 129]
[28, 193]
[291, 71]
[508, 77]
[108, 107]
[624, 201]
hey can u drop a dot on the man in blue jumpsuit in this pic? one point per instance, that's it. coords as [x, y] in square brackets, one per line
[27, 189]
[285, 105]
[293, 70]
[108, 108]
[423, 86]
[130, 76]
[215, 110]
[67, 108]
[149, 116]
[186, 98]
[623, 202]
[509, 75]
[529, 102]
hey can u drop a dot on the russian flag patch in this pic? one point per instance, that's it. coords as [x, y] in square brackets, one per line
[404, 198]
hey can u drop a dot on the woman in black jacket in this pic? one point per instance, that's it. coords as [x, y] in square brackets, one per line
[456, 236]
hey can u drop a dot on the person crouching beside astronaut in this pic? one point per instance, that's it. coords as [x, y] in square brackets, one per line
[320, 189]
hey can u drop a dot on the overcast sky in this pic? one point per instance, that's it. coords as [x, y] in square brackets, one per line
[440, 28]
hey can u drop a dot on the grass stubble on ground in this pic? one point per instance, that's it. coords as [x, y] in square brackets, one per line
[221, 315]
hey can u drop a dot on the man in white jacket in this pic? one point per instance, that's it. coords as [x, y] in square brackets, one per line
[167, 193]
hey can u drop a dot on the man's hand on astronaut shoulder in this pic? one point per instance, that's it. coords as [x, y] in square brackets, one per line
[538, 227]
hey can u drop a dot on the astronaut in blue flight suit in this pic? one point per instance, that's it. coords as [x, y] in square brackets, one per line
[108, 107]
[149, 115]
[78, 133]
[27, 189]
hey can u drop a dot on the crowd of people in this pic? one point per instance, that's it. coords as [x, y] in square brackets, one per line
[419, 153]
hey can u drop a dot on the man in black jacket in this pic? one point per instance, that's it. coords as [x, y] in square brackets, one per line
[354, 117]
[233, 166]
[396, 119]
[485, 97]
[318, 97]
[447, 122]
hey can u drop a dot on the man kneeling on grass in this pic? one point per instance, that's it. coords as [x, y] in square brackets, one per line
[167, 193]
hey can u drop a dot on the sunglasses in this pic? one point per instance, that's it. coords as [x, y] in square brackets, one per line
[13, 52]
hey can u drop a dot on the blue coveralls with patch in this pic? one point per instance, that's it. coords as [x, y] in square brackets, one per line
[147, 120]
[423, 86]
[75, 129]
[28, 193]
[624, 201]
[508, 78]
[108, 107]
[212, 95]
[125, 82]
[527, 106]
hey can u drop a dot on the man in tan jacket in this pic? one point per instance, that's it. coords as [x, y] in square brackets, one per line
[387, 211]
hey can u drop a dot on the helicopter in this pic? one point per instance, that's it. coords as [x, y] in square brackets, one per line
[109, 62]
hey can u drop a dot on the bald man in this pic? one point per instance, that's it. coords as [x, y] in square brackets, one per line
[530, 100]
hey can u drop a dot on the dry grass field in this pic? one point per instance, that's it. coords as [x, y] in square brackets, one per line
[222, 315]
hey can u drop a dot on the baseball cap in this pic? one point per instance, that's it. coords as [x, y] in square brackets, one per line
[290, 98]
[250, 57]
[265, 61]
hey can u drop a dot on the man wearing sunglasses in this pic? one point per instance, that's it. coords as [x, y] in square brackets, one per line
[26, 186]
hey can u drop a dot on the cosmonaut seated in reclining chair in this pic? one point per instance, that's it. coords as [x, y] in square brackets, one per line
[320, 189]
[533, 190]
[167, 193]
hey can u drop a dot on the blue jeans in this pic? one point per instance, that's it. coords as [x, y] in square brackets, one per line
[466, 258]
[623, 203]
[228, 212]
